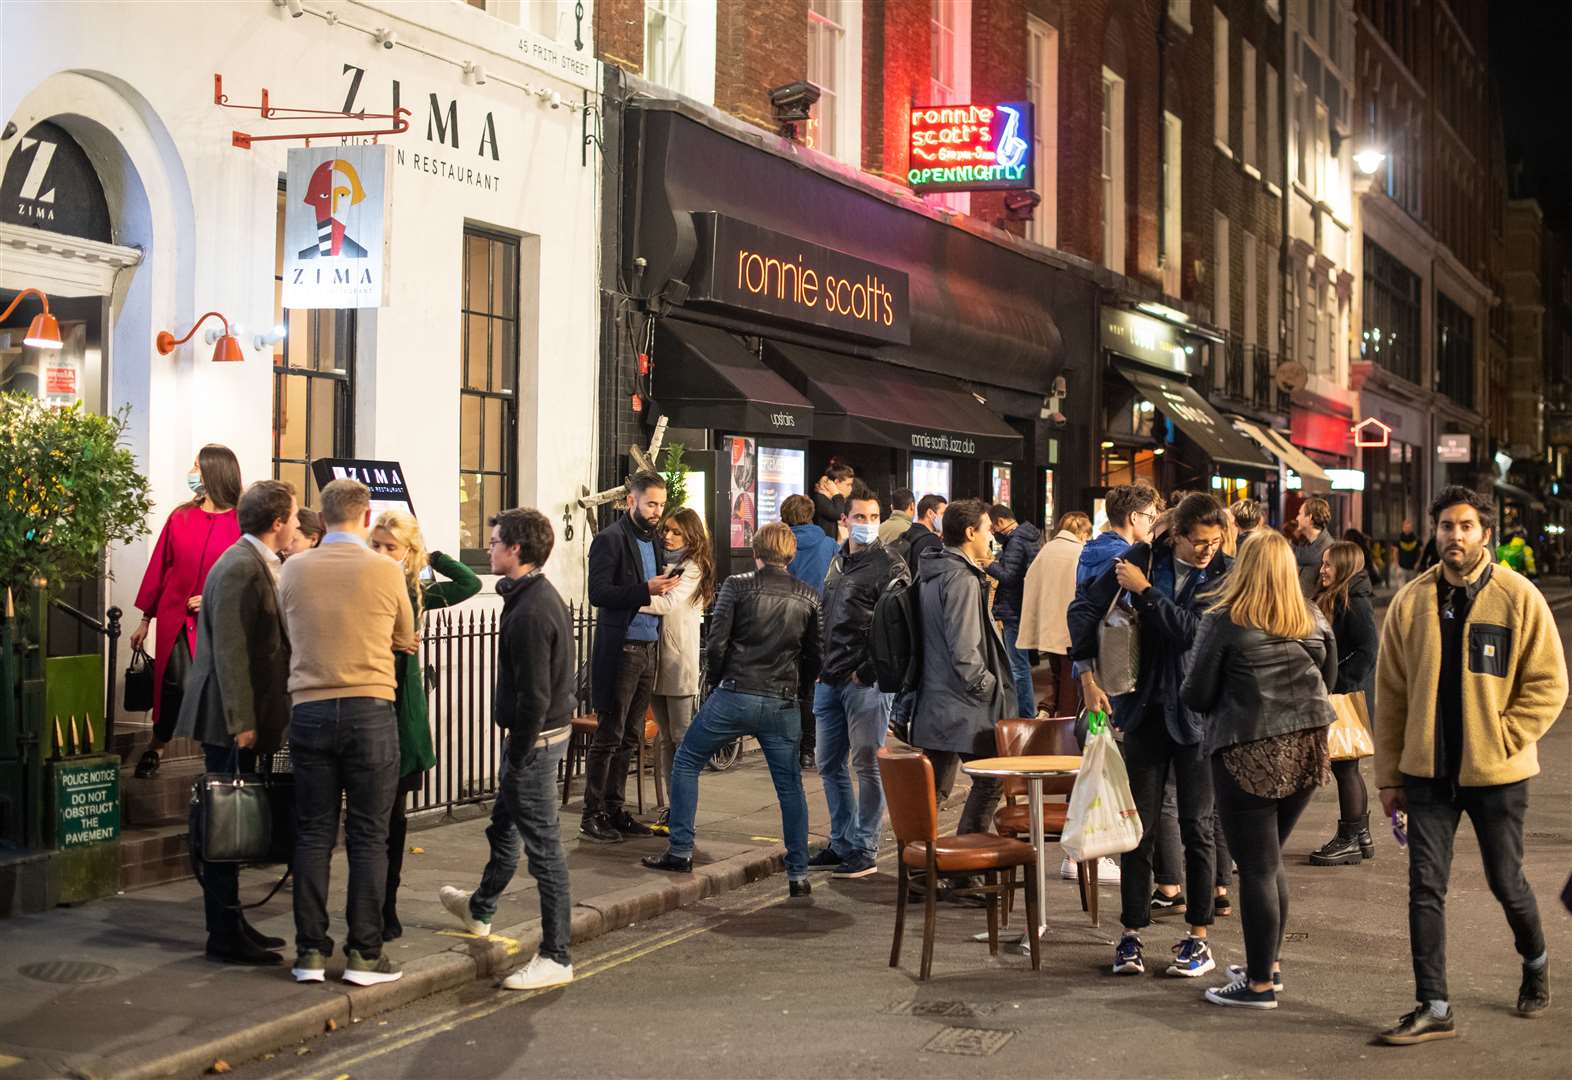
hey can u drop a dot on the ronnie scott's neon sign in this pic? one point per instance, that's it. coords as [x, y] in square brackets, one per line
[971, 147]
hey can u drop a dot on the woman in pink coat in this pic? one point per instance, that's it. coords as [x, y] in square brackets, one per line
[195, 535]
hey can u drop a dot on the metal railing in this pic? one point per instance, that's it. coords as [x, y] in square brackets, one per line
[458, 655]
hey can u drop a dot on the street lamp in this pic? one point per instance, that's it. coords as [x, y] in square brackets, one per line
[226, 351]
[1368, 160]
[44, 331]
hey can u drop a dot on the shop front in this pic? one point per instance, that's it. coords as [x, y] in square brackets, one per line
[1156, 426]
[1392, 435]
[800, 318]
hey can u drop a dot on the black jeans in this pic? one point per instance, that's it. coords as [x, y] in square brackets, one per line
[1434, 809]
[981, 801]
[398, 833]
[221, 881]
[344, 753]
[1256, 829]
[617, 735]
[1150, 756]
[1353, 798]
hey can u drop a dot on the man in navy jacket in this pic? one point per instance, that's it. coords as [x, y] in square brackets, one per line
[1168, 582]
[624, 573]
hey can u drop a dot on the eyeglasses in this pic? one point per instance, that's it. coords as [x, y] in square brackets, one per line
[1150, 515]
[493, 542]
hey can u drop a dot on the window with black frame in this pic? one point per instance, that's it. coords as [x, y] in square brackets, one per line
[488, 409]
[313, 384]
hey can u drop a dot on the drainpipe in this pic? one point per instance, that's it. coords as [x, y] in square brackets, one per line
[1162, 142]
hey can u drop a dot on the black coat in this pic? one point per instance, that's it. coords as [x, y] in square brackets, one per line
[764, 636]
[617, 588]
[1020, 548]
[851, 589]
[919, 539]
[966, 686]
[827, 513]
[1354, 628]
[535, 656]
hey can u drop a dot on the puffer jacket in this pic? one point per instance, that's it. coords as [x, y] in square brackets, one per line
[966, 685]
[764, 636]
[1252, 685]
[1020, 548]
[854, 584]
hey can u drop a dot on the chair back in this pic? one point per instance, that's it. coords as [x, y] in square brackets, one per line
[1054, 737]
[1010, 738]
[909, 795]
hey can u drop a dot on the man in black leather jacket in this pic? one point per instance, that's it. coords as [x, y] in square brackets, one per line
[761, 658]
[851, 714]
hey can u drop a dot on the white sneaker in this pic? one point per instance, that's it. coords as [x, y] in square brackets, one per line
[1107, 871]
[538, 974]
[1067, 869]
[457, 903]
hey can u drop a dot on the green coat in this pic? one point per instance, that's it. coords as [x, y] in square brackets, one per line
[415, 752]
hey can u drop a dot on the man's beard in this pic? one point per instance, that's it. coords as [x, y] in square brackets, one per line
[645, 529]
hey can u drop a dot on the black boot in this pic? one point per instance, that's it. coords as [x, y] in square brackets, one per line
[1342, 849]
[1366, 841]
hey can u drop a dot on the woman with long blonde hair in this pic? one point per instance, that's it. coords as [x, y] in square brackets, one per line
[1261, 666]
[397, 535]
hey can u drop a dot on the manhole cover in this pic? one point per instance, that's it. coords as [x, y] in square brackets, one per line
[68, 971]
[958, 1009]
[968, 1042]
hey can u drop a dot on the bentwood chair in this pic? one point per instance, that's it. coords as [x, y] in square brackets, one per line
[914, 818]
[1014, 738]
[584, 728]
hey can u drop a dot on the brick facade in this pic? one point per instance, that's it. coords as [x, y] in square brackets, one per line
[758, 46]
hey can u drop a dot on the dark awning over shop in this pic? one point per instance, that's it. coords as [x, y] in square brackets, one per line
[864, 401]
[706, 378]
[1190, 413]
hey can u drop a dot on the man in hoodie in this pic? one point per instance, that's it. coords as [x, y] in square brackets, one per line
[809, 566]
[1020, 542]
[852, 715]
[1132, 511]
[923, 536]
[1168, 582]
[534, 705]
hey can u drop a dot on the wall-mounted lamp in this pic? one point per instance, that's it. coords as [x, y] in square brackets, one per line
[294, 7]
[44, 331]
[226, 351]
[385, 37]
[1368, 160]
[476, 73]
[269, 339]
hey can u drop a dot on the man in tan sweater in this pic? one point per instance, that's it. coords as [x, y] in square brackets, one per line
[347, 609]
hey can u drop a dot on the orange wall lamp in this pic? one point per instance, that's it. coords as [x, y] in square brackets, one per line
[226, 351]
[44, 331]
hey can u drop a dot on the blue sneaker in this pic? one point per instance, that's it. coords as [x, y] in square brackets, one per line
[859, 865]
[1193, 957]
[1239, 971]
[1239, 995]
[1127, 957]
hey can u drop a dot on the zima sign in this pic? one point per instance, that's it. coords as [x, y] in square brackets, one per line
[336, 204]
[971, 147]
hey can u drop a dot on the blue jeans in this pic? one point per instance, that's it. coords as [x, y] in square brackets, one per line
[852, 722]
[728, 715]
[1021, 670]
[343, 751]
[525, 817]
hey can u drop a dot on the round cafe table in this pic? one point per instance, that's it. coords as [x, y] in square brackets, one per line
[1034, 770]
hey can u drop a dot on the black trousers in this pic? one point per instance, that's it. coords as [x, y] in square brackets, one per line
[981, 801]
[398, 833]
[1151, 756]
[617, 733]
[1256, 829]
[221, 881]
[1434, 810]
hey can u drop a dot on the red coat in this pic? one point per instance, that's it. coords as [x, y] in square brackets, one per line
[191, 542]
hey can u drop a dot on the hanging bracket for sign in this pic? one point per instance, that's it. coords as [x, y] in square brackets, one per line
[399, 119]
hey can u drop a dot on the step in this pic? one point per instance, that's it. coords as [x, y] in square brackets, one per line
[163, 798]
[152, 855]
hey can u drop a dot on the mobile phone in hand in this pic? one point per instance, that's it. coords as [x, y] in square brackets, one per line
[1400, 828]
[674, 570]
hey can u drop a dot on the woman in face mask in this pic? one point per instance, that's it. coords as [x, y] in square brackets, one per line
[676, 692]
[195, 535]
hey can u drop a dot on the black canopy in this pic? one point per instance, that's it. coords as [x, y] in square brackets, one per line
[706, 378]
[1190, 413]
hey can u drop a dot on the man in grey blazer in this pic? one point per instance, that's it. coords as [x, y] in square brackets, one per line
[236, 701]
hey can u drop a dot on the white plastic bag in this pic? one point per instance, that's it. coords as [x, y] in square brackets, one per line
[1102, 819]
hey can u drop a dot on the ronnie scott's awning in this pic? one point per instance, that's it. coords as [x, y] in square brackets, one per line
[706, 378]
[864, 401]
[1190, 413]
[1311, 476]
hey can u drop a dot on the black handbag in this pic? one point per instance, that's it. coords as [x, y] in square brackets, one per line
[243, 817]
[138, 695]
[175, 671]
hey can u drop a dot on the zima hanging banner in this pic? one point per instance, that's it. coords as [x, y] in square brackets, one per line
[336, 203]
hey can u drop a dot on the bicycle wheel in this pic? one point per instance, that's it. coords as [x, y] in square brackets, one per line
[726, 756]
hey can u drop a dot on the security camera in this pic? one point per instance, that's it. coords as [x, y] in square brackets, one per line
[476, 73]
[555, 99]
[294, 7]
[385, 37]
[794, 101]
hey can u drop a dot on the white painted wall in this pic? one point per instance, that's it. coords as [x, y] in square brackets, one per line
[133, 81]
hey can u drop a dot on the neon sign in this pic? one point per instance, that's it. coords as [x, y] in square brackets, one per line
[971, 147]
[1371, 433]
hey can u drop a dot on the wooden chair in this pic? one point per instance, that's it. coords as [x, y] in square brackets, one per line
[584, 728]
[914, 818]
[1013, 738]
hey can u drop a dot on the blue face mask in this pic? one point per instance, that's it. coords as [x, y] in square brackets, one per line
[864, 533]
[194, 481]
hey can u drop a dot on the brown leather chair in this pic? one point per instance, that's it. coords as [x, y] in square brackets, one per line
[1015, 738]
[584, 728]
[914, 818]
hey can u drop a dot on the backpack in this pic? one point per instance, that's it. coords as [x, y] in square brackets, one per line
[895, 638]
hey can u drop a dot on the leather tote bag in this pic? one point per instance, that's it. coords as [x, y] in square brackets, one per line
[138, 695]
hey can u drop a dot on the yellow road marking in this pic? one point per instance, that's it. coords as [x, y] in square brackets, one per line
[6, 1061]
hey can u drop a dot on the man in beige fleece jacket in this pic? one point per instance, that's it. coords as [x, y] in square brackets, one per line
[347, 609]
[1471, 675]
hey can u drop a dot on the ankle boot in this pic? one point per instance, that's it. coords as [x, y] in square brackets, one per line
[1342, 849]
[1366, 841]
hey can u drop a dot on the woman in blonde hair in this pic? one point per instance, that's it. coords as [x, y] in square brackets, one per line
[397, 535]
[1261, 666]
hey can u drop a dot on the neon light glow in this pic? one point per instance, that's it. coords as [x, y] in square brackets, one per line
[971, 147]
[1371, 433]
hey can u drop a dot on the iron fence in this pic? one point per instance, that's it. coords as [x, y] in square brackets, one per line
[458, 655]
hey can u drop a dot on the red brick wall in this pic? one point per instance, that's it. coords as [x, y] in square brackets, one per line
[758, 46]
[998, 74]
[619, 33]
[896, 67]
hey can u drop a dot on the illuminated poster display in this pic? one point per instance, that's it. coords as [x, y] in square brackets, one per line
[782, 472]
[1047, 498]
[744, 492]
[1000, 477]
[931, 476]
[971, 147]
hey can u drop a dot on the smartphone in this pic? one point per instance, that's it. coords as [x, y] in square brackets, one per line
[1400, 828]
[674, 570]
